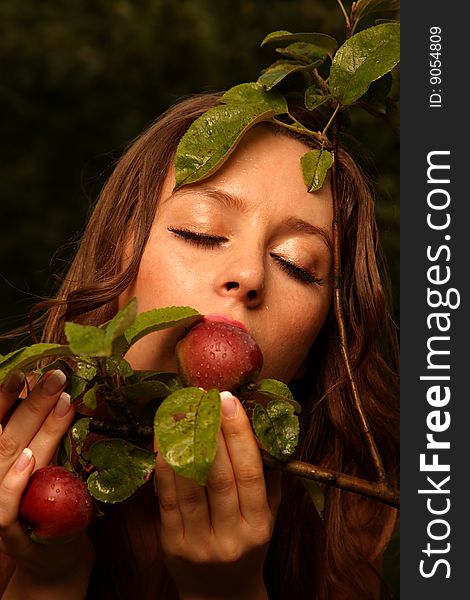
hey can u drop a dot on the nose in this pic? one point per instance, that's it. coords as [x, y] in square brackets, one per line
[242, 279]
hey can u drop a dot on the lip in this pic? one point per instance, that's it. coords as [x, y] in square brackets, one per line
[222, 318]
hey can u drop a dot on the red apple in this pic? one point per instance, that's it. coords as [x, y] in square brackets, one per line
[218, 353]
[56, 506]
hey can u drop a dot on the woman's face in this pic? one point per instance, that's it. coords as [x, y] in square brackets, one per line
[249, 242]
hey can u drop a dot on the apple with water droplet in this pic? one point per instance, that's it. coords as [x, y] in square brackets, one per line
[218, 353]
[56, 506]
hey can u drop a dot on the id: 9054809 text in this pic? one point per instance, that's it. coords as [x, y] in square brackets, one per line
[435, 64]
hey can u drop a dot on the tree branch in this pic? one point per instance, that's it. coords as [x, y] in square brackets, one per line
[377, 490]
[338, 307]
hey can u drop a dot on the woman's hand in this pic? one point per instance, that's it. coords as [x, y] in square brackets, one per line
[215, 538]
[28, 441]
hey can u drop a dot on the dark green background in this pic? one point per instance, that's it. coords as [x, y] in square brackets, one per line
[79, 80]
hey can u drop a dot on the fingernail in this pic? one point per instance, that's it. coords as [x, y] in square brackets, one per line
[53, 382]
[229, 404]
[63, 405]
[14, 382]
[23, 460]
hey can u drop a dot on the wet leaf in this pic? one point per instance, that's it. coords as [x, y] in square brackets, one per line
[158, 319]
[116, 366]
[121, 469]
[276, 390]
[80, 377]
[79, 431]
[277, 428]
[321, 40]
[186, 426]
[29, 356]
[315, 165]
[210, 140]
[362, 59]
[276, 72]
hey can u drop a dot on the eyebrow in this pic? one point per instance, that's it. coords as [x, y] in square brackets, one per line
[233, 202]
[301, 226]
[230, 201]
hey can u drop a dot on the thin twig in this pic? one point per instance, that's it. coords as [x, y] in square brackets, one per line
[348, 23]
[338, 308]
[302, 130]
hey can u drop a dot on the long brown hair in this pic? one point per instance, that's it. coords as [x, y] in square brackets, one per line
[308, 557]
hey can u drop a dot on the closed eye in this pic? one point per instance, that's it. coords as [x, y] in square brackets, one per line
[198, 238]
[295, 271]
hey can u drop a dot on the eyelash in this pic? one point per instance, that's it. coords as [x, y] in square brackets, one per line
[297, 272]
[199, 239]
[212, 241]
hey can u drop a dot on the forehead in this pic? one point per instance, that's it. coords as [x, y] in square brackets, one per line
[262, 173]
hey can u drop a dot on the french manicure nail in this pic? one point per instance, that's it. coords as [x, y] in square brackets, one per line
[23, 460]
[63, 405]
[14, 382]
[229, 405]
[53, 382]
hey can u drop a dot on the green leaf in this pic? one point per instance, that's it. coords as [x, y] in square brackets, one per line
[186, 426]
[362, 59]
[364, 8]
[316, 494]
[79, 431]
[321, 40]
[117, 366]
[252, 93]
[86, 340]
[212, 137]
[275, 390]
[89, 397]
[313, 99]
[158, 319]
[276, 72]
[114, 341]
[277, 428]
[305, 52]
[315, 165]
[121, 469]
[84, 371]
[29, 356]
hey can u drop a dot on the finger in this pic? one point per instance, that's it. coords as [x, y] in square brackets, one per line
[172, 522]
[246, 459]
[45, 443]
[10, 389]
[222, 492]
[14, 541]
[194, 508]
[27, 419]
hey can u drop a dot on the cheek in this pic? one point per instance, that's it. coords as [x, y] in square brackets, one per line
[288, 345]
